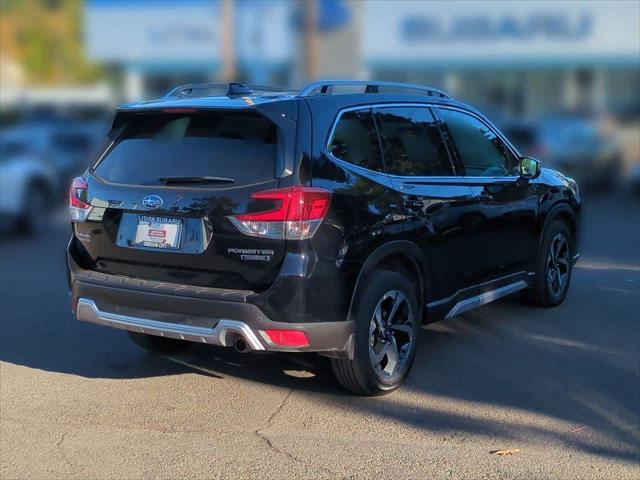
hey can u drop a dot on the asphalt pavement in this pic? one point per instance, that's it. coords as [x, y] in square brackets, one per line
[561, 386]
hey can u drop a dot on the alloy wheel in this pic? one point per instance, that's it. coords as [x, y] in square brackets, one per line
[391, 334]
[558, 264]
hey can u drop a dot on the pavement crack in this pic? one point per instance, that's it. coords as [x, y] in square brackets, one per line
[60, 447]
[263, 436]
[279, 408]
[276, 449]
[272, 415]
[59, 442]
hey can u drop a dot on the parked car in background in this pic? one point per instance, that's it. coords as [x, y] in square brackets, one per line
[66, 146]
[572, 144]
[69, 149]
[28, 184]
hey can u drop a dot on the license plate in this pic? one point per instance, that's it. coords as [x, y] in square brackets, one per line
[158, 232]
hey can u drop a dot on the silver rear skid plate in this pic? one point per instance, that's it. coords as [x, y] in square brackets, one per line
[484, 298]
[222, 334]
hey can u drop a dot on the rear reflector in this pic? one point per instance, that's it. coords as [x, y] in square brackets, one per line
[288, 338]
[78, 207]
[296, 214]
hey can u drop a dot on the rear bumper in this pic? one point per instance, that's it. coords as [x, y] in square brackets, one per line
[222, 334]
[204, 315]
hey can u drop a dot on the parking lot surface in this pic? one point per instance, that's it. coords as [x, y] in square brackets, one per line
[562, 386]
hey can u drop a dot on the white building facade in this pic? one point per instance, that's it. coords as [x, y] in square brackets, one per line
[525, 58]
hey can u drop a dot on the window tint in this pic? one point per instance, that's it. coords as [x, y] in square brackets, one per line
[355, 140]
[236, 145]
[481, 152]
[412, 143]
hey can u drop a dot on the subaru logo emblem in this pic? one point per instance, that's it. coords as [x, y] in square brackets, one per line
[152, 201]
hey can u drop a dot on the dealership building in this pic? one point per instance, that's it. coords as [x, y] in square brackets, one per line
[526, 58]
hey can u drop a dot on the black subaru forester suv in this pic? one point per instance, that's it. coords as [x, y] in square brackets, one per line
[335, 220]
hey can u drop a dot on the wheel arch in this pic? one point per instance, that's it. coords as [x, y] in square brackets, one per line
[399, 256]
[561, 211]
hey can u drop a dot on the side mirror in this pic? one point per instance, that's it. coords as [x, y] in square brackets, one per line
[529, 168]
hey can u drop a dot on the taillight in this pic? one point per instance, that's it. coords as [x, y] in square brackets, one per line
[297, 214]
[288, 338]
[78, 206]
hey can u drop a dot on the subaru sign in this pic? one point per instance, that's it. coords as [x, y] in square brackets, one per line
[527, 32]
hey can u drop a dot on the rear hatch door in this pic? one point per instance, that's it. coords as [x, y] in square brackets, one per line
[163, 191]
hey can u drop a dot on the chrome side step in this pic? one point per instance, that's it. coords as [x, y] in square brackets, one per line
[484, 298]
[88, 311]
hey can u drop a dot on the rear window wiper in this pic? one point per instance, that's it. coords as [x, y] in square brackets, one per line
[201, 179]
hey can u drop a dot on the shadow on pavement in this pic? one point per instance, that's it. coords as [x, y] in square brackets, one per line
[577, 363]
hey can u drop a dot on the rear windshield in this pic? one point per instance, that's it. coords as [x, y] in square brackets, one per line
[150, 146]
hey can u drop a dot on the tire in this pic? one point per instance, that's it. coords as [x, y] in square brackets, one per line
[159, 345]
[553, 277]
[382, 356]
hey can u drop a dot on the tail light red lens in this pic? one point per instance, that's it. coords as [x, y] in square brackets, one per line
[78, 207]
[297, 214]
[288, 338]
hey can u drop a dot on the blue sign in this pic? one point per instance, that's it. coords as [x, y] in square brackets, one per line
[481, 27]
[332, 14]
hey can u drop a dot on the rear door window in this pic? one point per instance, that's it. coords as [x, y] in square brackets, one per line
[411, 142]
[355, 140]
[237, 145]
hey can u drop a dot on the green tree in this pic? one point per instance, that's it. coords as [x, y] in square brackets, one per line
[45, 38]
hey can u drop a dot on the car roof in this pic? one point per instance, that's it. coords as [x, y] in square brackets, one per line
[220, 101]
[317, 92]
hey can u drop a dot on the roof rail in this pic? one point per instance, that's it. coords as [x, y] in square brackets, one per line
[220, 89]
[325, 87]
